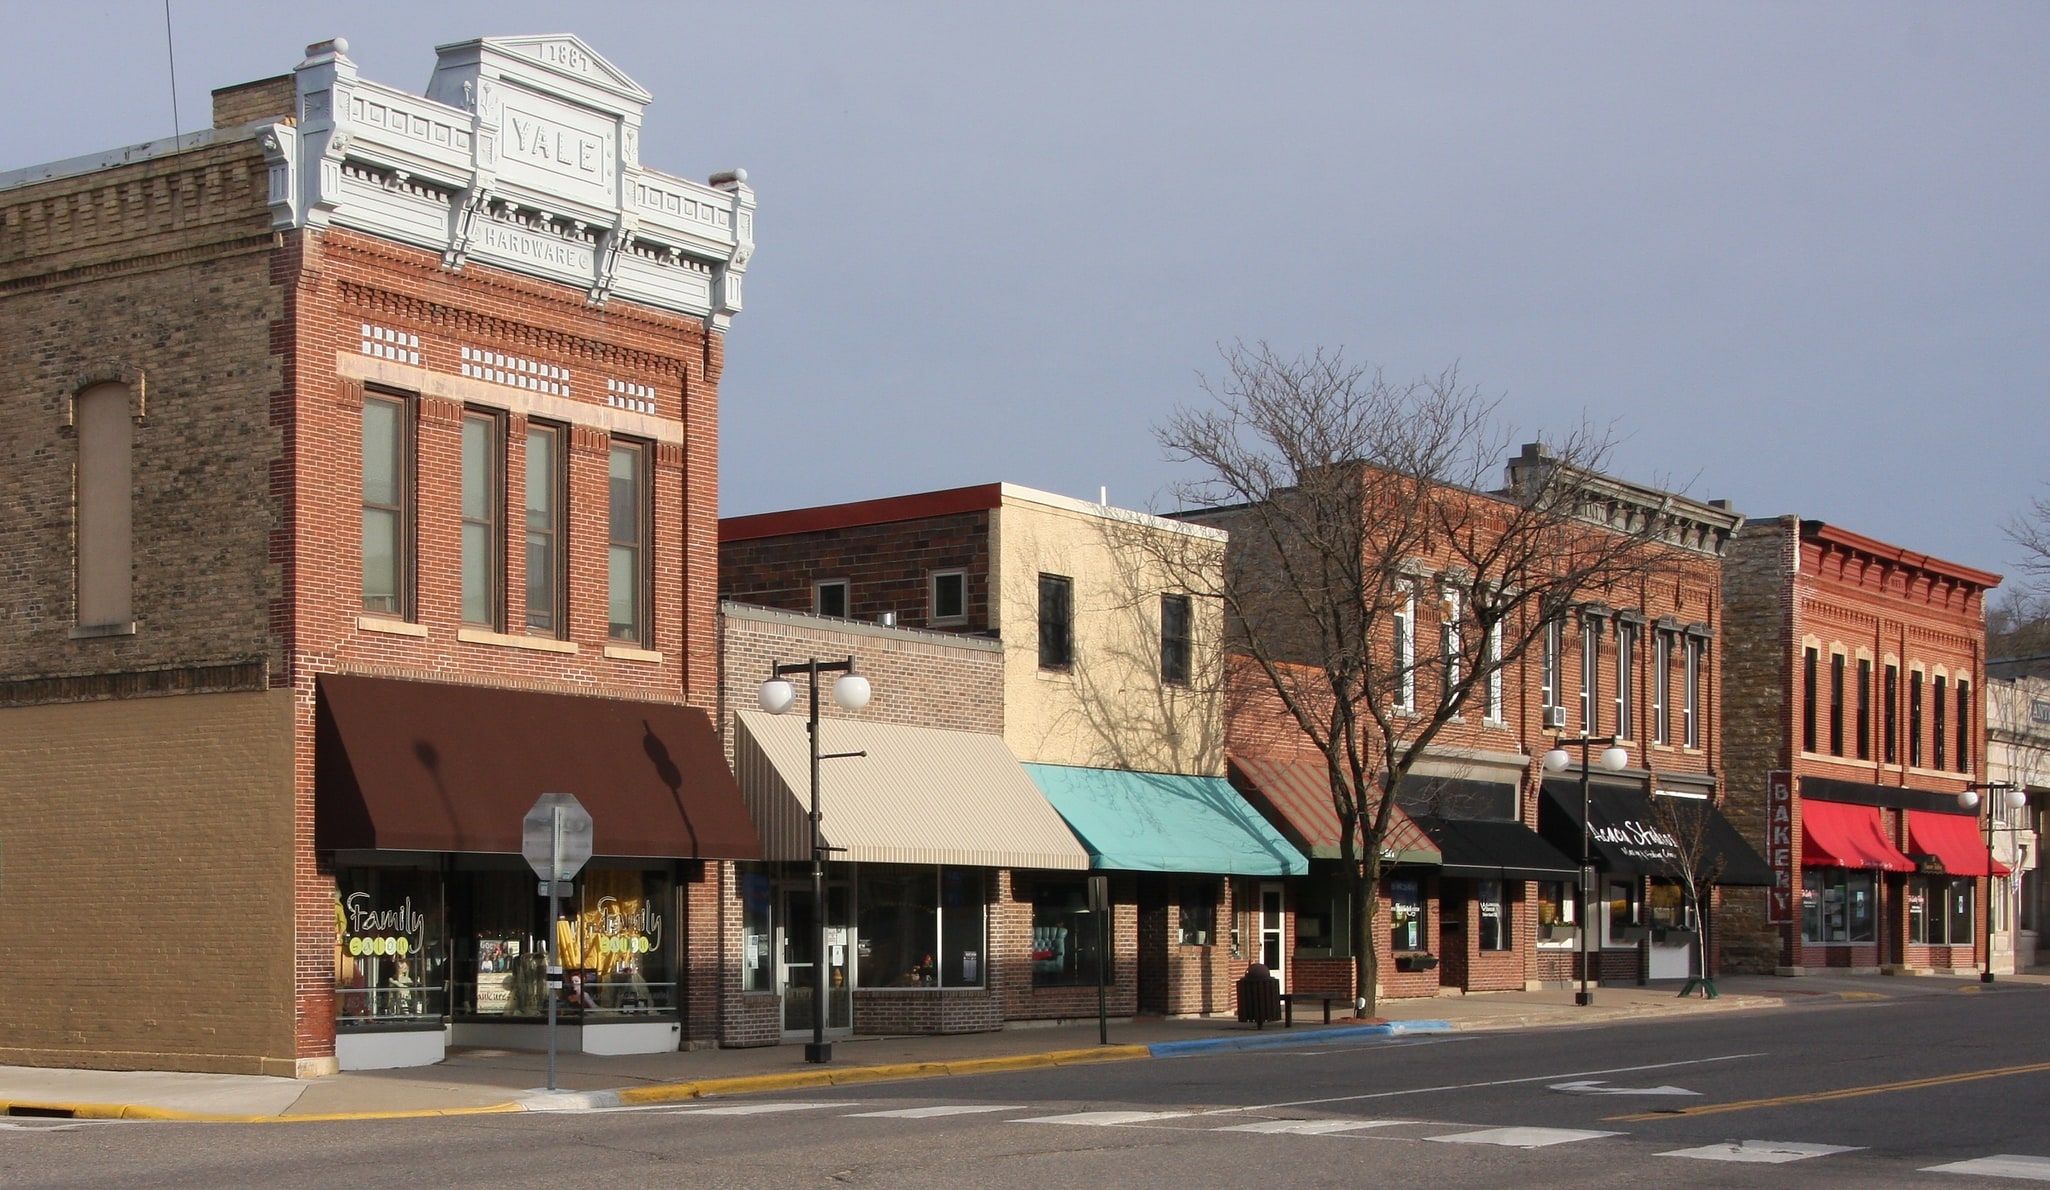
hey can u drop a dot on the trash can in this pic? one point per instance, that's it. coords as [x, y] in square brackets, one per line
[1259, 996]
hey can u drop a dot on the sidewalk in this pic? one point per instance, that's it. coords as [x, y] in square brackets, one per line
[480, 1080]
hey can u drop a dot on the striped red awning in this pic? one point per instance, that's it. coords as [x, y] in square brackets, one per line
[1299, 793]
[1838, 835]
[1954, 839]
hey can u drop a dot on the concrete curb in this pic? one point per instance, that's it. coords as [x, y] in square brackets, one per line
[800, 1079]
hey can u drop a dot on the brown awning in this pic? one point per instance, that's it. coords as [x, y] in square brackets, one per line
[427, 766]
[1299, 795]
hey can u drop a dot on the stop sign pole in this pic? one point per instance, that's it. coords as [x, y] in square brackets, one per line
[555, 836]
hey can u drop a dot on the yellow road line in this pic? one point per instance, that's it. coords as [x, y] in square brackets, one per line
[1711, 1109]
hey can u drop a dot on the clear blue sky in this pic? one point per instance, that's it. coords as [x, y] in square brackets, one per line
[1795, 253]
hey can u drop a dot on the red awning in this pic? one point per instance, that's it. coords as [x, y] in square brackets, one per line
[1954, 839]
[1836, 835]
[1299, 793]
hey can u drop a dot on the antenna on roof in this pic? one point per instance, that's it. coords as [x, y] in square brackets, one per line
[1103, 495]
[171, 53]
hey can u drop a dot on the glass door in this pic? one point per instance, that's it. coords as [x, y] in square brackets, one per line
[797, 936]
[1273, 951]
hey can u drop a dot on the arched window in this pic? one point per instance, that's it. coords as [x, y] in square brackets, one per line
[105, 506]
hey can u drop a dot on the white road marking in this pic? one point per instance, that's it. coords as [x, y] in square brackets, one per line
[1771, 1152]
[1595, 1086]
[2006, 1165]
[1106, 1119]
[927, 1113]
[757, 1109]
[1521, 1138]
[1500, 1082]
[1310, 1127]
[55, 1125]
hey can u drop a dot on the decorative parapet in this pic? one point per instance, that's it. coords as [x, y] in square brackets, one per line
[523, 154]
[1694, 525]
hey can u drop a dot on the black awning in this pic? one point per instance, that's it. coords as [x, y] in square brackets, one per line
[1456, 799]
[1629, 836]
[1490, 850]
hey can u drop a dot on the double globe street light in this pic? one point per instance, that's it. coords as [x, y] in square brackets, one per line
[1615, 759]
[851, 692]
[2013, 799]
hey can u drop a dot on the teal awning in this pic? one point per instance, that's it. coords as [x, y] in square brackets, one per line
[1160, 822]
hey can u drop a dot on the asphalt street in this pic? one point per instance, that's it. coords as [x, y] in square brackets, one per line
[1935, 1090]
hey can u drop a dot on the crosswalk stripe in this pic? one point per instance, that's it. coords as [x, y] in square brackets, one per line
[1310, 1127]
[927, 1113]
[1772, 1152]
[757, 1109]
[1104, 1119]
[2005, 1165]
[1520, 1138]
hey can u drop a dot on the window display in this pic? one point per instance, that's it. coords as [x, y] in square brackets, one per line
[1838, 905]
[1406, 910]
[1064, 935]
[921, 927]
[611, 935]
[1493, 905]
[391, 947]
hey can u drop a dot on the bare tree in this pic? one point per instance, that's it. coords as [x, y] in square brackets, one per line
[2031, 531]
[1365, 514]
[1692, 857]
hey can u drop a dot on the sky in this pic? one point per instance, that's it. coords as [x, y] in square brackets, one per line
[1792, 255]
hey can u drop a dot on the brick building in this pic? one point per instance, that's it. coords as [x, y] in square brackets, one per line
[1482, 885]
[362, 486]
[1111, 697]
[2018, 756]
[1856, 678]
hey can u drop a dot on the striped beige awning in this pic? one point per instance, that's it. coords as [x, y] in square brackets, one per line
[921, 795]
[1299, 794]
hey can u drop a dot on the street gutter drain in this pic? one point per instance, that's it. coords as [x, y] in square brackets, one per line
[52, 1113]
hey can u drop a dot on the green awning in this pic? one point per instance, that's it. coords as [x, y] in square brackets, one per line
[1161, 822]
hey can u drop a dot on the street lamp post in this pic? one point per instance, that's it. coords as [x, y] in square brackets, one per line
[1614, 759]
[2013, 799]
[851, 691]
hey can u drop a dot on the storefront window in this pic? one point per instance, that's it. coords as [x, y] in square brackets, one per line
[1622, 910]
[1323, 919]
[1665, 903]
[1494, 911]
[612, 935]
[1198, 912]
[391, 947]
[1064, 936]
[1555, 913]
[1838, 905]
[1406, 911]
[757, 921]
[921, 928]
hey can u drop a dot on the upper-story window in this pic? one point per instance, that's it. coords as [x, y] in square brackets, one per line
[1915, 719]
[1937, 739]
[1661, 687]
[1548, 672]
[483, 581]
[106, 507]
[830, 597]
[1964, 725]
[948, 593]
[1692, 709]
[1810, 659]
[1836, 704]
[1626, 680]
[544, 484]
[1590, 675]
[1890, 710]
[387, 505]
[1056, 621]
[1495, 672]
[1176, 624]
[1404, 644]
[1864, 709]
[1449, 643]
[627, 543]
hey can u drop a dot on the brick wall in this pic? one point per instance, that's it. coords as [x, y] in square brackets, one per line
[1756, 668]
[888, 566]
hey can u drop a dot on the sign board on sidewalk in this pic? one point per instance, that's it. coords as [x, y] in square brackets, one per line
[555, 836]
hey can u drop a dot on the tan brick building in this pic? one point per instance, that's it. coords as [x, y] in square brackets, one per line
[1856, 677]
[362, 458]
[1111, 695]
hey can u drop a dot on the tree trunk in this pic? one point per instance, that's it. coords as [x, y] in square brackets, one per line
[1366, 959]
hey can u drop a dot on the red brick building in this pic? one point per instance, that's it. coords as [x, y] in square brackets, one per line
[363, 476]
[1856, 675]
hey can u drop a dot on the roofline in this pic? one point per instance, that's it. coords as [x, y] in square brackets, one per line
[1833, 535]
[947, 502]
[149, 150]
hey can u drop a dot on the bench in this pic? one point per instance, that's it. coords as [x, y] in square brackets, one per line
[1288, 1000]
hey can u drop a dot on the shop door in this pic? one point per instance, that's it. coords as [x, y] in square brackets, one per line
[797, 943]
[1273, 939]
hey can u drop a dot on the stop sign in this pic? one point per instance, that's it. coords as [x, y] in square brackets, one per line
[555, 836]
